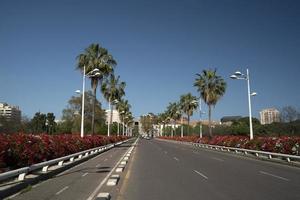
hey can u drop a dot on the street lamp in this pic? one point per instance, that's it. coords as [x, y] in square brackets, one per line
[240, 76]
[200, 118]
[122, 112]
[110, 114]
[94, 73]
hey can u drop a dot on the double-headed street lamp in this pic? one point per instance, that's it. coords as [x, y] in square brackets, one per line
[94, 73]
[239, 76]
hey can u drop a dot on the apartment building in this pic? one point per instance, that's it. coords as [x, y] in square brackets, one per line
[10, 112]
[269, 115]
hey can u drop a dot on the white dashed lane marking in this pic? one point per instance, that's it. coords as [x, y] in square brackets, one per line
[273, 175]
[60, 191]
[84, 174]
[199, 173]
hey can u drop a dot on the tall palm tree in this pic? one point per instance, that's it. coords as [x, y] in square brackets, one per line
[211, 88]
[162, 119]
[123, 108]
[127, 120]
[113, 90]
[174, 113]
[188, 104]
[96, 57]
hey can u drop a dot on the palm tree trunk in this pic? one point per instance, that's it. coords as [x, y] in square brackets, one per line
[111, 114]
[188, 132]
[175, 128]
[209, 121]
[93, 110]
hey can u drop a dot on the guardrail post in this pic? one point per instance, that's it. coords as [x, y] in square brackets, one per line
[60, 163]
[72, 159]
[288, 159]
[270, 156]
[45, 168]
[80, 156]
[21, 177]
[256, 154]
[86, 154]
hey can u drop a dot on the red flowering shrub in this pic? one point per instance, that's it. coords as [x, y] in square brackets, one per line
[284, 144]
[18, 150]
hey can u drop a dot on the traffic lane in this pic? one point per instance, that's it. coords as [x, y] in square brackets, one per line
[229, 174]
[290, 172]
[77, 182]
[155, 175]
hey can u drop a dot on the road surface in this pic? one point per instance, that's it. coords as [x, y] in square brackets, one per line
[79, 182]
[168, 171]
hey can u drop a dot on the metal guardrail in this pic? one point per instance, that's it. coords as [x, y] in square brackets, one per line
[22, 172]
[257, 153]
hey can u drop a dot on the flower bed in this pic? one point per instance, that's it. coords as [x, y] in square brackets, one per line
[19, 150]
[284, 144]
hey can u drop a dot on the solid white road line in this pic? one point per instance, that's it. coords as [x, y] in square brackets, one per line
[218, 159]
[199, 173]
[275, 176]
[176, 159]
[85, 174]
[60, 191]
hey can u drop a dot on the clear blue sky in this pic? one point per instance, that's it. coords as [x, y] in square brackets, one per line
[159, 46]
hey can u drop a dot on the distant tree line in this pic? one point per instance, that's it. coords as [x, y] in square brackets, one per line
[40, 123]
[289, 125]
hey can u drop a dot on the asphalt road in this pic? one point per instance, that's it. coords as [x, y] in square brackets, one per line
[79, 182]
[167, 171]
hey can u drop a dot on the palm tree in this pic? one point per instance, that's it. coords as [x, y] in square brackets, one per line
[96, 57]
[211, 88]
[173, 113]
[123, 108]
[161, 117]
[188, 104]
[127, 120]
[113, 90]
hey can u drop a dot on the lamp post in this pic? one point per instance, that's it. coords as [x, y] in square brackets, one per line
[239, 76]
[124, 124]
[200, 118]
[94, 73]
[122, 112]
[110, 114]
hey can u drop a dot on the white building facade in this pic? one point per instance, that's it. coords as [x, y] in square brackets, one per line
[10, 112]
[269, 115]
[115, 116]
